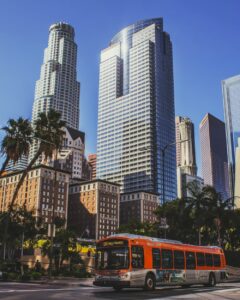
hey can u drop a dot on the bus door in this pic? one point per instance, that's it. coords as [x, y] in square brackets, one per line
[191, 273]
[201, 273]
[137, 260]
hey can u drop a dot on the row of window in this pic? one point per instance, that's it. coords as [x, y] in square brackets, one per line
[168, 259]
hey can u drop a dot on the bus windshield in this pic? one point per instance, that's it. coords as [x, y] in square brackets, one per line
[112, 258]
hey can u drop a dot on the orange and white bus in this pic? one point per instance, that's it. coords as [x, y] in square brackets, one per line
[126, 260]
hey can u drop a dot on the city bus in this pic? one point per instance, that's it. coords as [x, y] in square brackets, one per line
[127, 260]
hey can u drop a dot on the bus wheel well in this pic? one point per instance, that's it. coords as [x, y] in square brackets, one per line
[152, 274]
[150, 281]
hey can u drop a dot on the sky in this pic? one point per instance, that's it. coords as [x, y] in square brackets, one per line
[204, 34]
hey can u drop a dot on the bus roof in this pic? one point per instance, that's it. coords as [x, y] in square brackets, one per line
[158, 240]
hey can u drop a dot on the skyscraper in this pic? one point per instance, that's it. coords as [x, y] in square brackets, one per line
[136, 114]
[186, 156]
[58, 87]
[185, 145]
[231, 102]
[214, 154]
[237, 177]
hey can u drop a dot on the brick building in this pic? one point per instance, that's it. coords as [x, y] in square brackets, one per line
[38, 192]
[92, 159]
[94, 208]
[138, 206]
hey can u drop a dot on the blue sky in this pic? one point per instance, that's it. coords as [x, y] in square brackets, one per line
[204, 33]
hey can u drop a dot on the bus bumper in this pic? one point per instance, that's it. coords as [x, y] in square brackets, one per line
[111, 283]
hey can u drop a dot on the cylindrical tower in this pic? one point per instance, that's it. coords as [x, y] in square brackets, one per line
[58, 87]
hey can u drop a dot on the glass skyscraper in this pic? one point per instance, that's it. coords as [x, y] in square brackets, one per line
[231, 101]
[136, 114]
[214, 154]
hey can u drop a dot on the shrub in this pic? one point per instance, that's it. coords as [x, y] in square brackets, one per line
[36, 275]
[4, 276]
[82, 273]
[12, 276]
[25, 277]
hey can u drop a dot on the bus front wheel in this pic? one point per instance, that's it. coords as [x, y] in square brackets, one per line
[150, 282]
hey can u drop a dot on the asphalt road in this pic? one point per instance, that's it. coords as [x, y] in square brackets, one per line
[21, 291]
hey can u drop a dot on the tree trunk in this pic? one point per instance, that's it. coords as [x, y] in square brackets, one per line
[24, 174]
[52, 220]
[4, 165]
[22, 269]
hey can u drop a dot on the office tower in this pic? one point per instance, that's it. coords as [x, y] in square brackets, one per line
[231, 102]
[58, 87]
[214, 154]
[237, 177]
[183, 183]
[92, 159]
[40, 192]
[18, 166]
[136, 114]
[186, 157]
[185, 146]
[138, 207]
[94, 208]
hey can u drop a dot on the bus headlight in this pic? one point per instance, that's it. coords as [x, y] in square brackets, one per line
[124, 276]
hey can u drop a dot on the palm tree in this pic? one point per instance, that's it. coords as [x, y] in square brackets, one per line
[198, 203]
[17, 140]
[48, 129]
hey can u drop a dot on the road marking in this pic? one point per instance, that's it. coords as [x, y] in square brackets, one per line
[229, 290]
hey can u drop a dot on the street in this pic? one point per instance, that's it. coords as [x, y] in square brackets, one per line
[24, 291]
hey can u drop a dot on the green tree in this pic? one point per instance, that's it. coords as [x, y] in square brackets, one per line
[17, 141]
[65, 248]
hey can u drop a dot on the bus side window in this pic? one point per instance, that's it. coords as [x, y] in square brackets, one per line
[216, 260]
[200, 259]
[156, 258]
[190, 261]
[137, 257]
[209, 260]
[167, 259]
[179, 260]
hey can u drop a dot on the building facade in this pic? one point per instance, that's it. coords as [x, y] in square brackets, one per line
[237, 177]
[40, 192]
[214, 154]
[57, 87]
[94, 208]
[136, 114]
[92, 159]
[184, 181]
[231, 103]
[18, 166]
[138, 207]
[70, 157]
[185, 146]
[186, 156]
